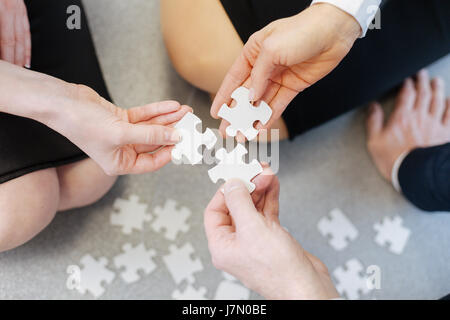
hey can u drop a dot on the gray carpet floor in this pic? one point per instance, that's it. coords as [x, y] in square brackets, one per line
[324, 169]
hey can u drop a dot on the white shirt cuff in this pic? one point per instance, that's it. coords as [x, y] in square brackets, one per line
[364, 11]
[395, 169]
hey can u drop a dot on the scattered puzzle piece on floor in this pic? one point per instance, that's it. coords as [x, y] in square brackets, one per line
[231, 165]
[243, 116]
[191, 140]
[392, 232]
[134, 260]
[171, 219]
[190, 293]
[338, 228]
[181, 265]
[130, 214]
[352, 282]
[93, 275]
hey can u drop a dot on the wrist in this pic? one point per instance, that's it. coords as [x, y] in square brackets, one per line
[343, 25]
[71, 112]
[313, 292]
[55, 102]
[395, 169]
[312, 285]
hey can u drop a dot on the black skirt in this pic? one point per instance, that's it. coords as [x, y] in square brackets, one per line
[27, 145]
[413, 34]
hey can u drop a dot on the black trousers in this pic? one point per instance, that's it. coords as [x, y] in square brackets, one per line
[413, 34]
[26, 145]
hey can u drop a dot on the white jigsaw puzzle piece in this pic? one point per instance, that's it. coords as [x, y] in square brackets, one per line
[231, 165]
[134, 260]
[181, 265]
[130, 214]
[351, 281]
[338, 228]
[190, 293]
[243, 116]
[191, 140]
[171, 219]
[392, 232]
[93, 274]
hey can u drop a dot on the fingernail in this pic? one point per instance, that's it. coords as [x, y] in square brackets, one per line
[251, 94]
[173, 136]
[408, 82]
[373, 107]
[439, 82]
[423, 72]
[233, 185]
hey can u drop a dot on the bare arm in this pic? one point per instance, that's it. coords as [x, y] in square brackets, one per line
[118, 140]
[31, 94]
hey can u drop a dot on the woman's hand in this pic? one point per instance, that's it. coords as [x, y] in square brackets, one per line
[246, 240]
[121, 141]
[288, 56]
[15, 37]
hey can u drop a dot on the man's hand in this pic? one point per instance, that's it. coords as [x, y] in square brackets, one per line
[288, 56]
[15, 37]
[246, 240]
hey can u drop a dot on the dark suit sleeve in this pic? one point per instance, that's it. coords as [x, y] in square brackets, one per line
[424, 177]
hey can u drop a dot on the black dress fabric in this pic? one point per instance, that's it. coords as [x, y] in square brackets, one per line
[413, 34]
[26, 145]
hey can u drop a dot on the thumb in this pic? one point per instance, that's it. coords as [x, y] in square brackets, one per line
[375, 120]
[149, 135]
[262, 71]
[239, 202]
